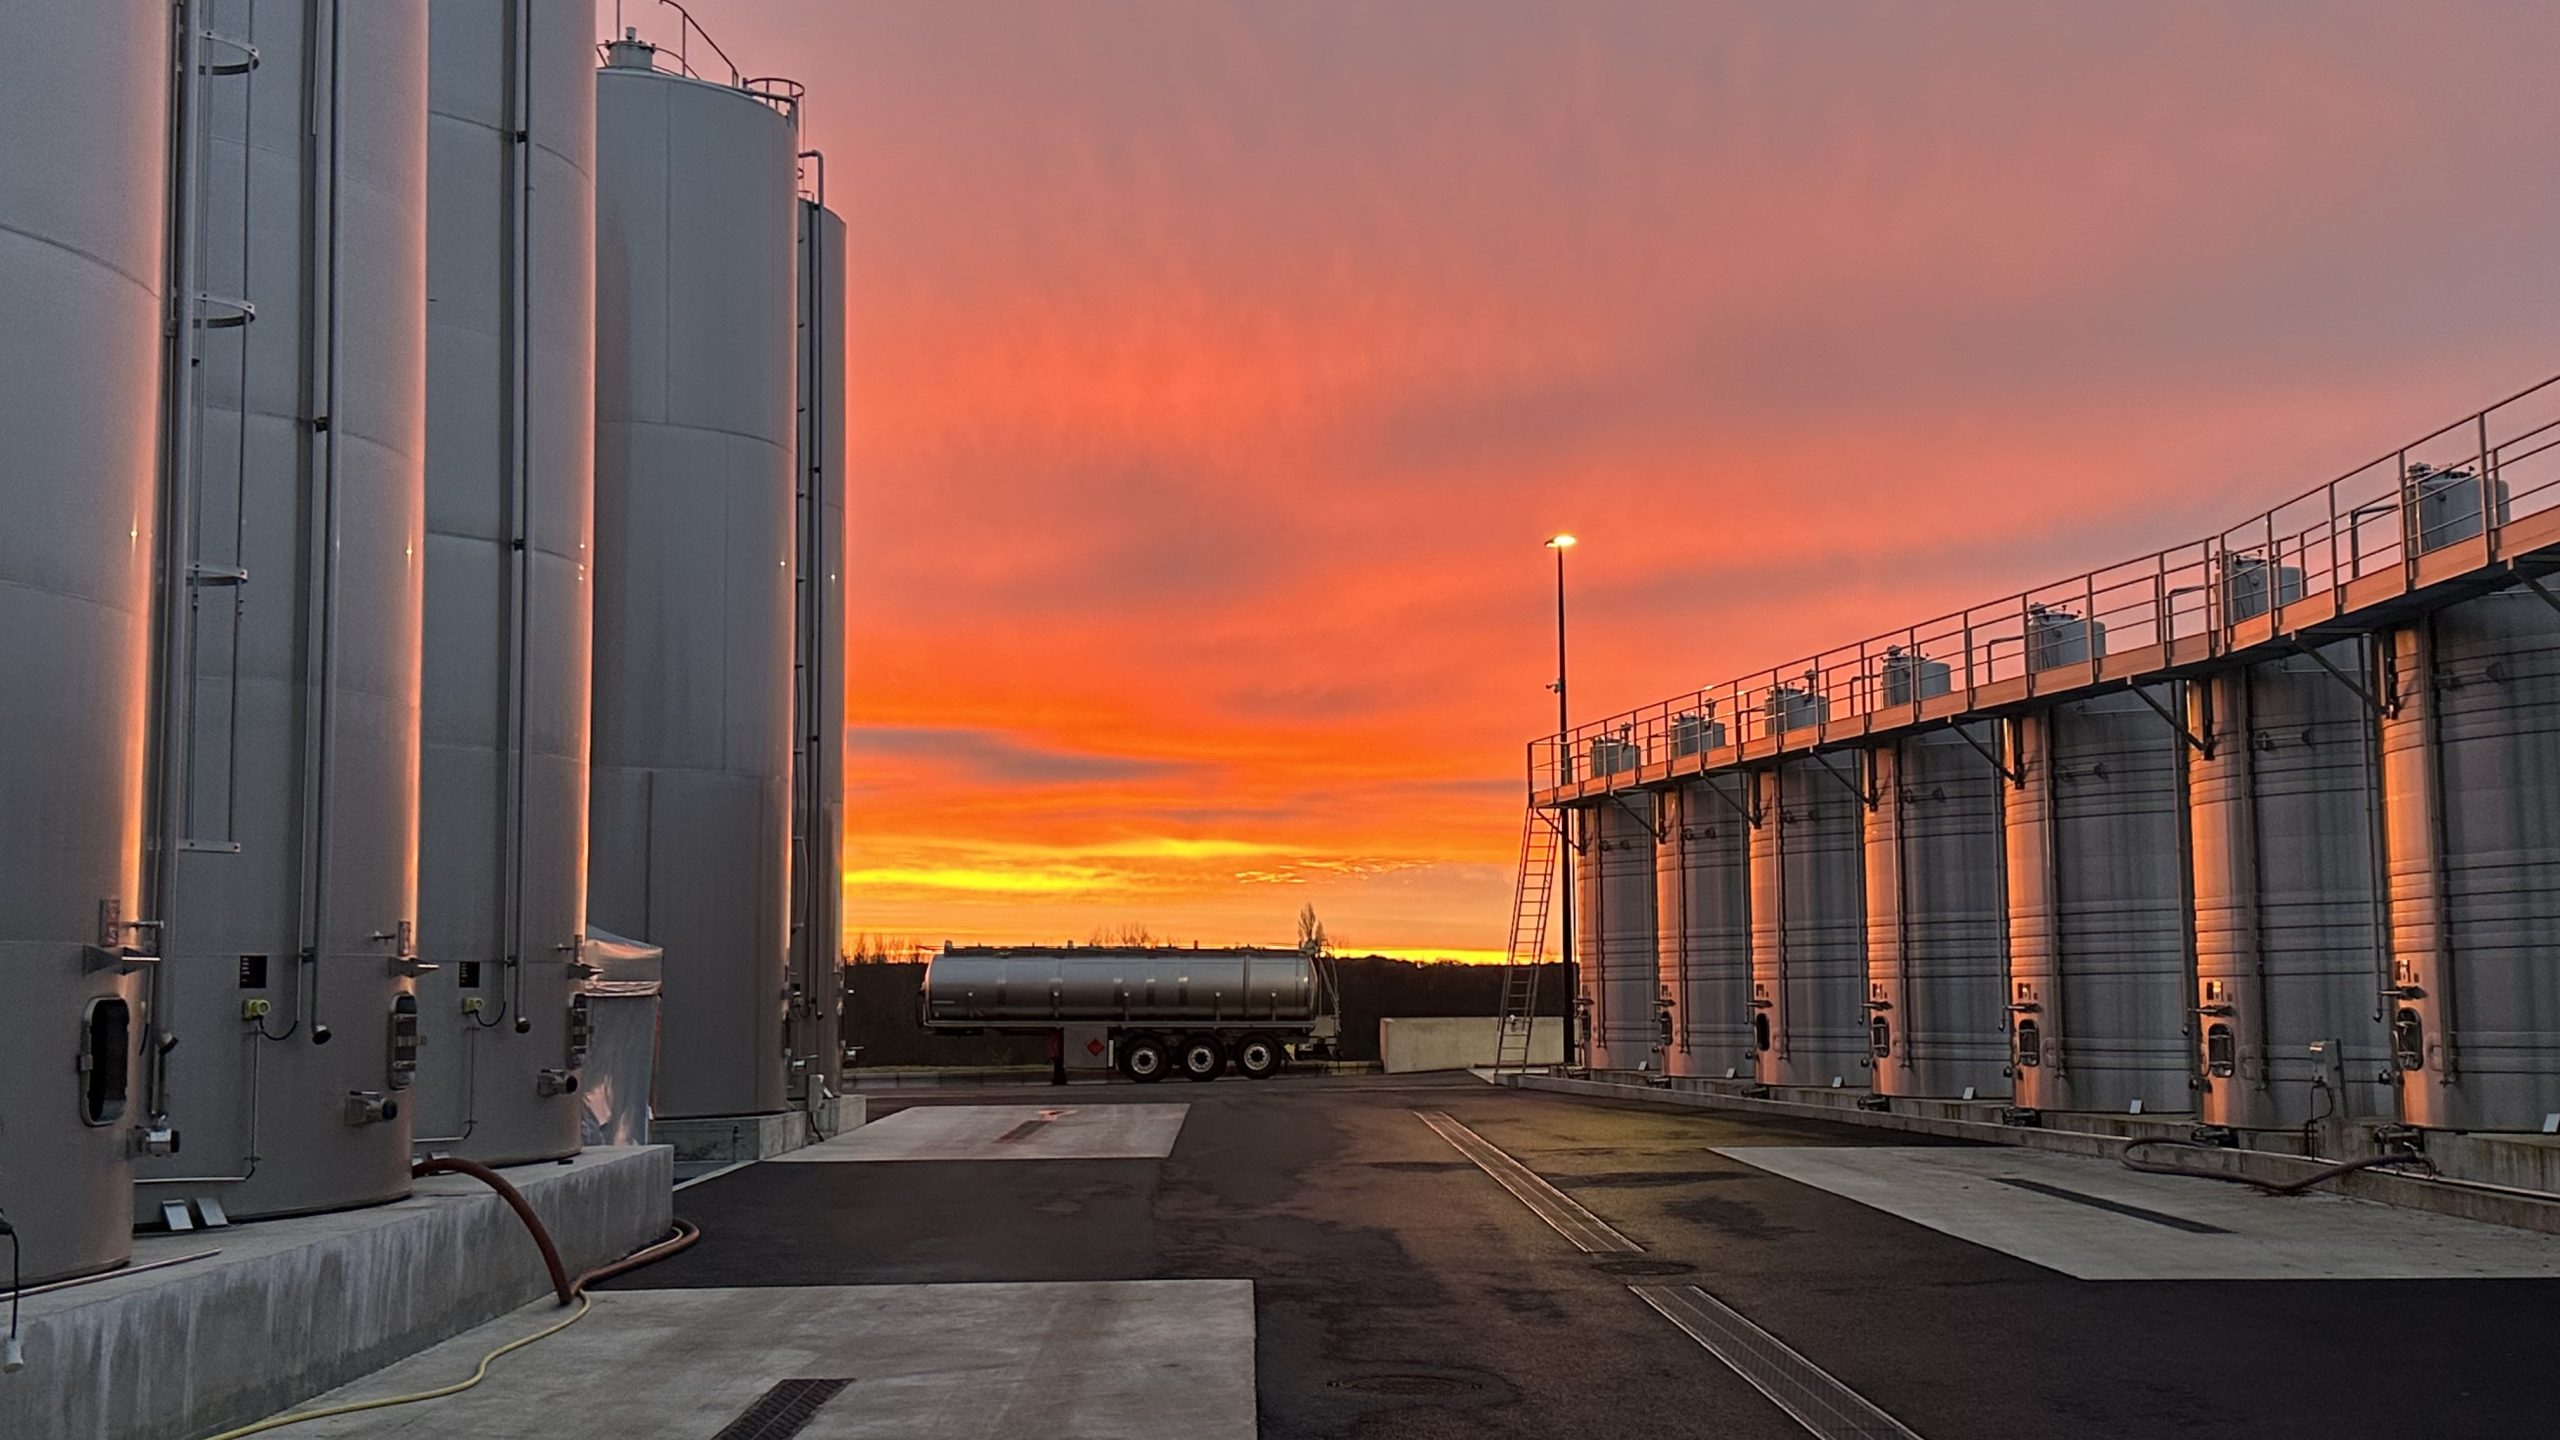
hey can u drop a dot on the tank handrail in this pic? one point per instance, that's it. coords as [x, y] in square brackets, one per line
[2320, 540]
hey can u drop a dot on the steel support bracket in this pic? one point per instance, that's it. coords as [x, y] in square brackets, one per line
[2538, 588]
[2201, 747]
[2014, 774]
[1865, 796]
[2363, 695]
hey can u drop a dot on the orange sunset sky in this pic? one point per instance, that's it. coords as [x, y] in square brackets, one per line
[1219, 365]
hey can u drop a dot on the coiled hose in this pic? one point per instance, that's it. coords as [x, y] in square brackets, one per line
[571, 1293]
[2320, 1176]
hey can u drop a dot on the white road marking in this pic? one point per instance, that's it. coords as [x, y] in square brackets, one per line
[1005, 1132]
[1587, 1231]
[1803, 1389]
[2050, 1210]
[926, 1362]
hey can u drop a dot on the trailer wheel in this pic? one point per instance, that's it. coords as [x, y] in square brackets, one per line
[1257, 1057]
[1143, 1059]
[1202, 1058]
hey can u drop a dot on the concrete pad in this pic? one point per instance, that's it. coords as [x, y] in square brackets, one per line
[1007, 1132]
[283, 1309]
[2096, 1220]
[1079, 1361]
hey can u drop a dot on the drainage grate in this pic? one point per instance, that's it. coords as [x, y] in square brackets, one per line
[1591, 1234]
[2117, 1207]
[783, 1411]
[1803, 1389]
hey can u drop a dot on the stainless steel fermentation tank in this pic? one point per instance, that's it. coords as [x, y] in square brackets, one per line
[2289, 925]
[1702, 905]
[1936, 963]
[1808, 923]
[816, 1015]
[510, 469]
[1036, 987]
[286, 789]
[2471, 757]
[84, 102]
[2099, 930]
[1621, 989]
[690, 803]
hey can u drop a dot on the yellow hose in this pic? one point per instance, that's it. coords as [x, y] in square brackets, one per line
[586, 1303]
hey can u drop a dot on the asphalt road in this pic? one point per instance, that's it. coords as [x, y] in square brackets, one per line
[1401, 1292]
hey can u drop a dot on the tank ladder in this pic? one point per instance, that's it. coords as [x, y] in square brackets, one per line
[1541, 844]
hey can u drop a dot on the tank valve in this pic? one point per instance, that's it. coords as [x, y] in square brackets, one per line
[254, 1010]
[364, 1107]
[155, 1140]
[557, 1082]
[473, 1004]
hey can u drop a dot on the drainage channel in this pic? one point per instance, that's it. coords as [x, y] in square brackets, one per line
[1807, 1392]
[1591, 1234]
[1803, 1389]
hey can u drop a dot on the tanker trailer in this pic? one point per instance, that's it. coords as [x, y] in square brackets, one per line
[1158, 1010]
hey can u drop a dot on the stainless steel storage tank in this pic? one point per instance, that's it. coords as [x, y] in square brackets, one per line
[2099, 925]
[502, 885]
[817, 765]
[1702, 905]
[2471, 755]
[2282, 809]
[690, 803]
[1614, 920]
[1808, 924]
[1937, 971]
[289, 736]
[84, 102]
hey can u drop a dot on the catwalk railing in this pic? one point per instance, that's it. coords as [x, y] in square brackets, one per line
[2459, 489]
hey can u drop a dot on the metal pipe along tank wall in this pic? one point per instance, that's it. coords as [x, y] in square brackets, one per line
[2470, 763]
[690, 806]
[510, 470]
[1702, 889]
[1936, 982]
[817, 776]
[2287, 905]
[1808, 924]
[84, 100]
[1621, 987]
[288, 772]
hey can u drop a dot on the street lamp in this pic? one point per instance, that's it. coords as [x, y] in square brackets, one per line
[1564, 770]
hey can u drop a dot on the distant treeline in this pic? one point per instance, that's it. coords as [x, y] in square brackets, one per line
[881, 1015]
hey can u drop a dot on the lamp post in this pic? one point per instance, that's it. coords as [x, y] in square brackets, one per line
[1564, 770]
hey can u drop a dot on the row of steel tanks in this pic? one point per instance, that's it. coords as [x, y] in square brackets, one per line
[322, 618]
[2302, 890]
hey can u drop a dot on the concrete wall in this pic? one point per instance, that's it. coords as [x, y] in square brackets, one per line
[290, 1308]
[1408, 1043]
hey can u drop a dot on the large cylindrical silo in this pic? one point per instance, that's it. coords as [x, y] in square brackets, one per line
[510, 467]
[1613, 901]
[2471, 752]
[2113, 1000]
[1808, 926]
[817, 767]
[1936, 968]
[290, 728]
[84, 100]
[1702, 905]
[2281, 808]
[690, 805]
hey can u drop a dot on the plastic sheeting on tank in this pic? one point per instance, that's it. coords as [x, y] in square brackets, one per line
[622, 1038]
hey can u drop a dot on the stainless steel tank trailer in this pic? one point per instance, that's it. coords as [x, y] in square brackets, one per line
[1158, 1009]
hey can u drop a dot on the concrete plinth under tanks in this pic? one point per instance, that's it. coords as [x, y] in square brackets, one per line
[2314, 890]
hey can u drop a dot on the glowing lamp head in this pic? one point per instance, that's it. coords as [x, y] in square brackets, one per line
[1560, 542]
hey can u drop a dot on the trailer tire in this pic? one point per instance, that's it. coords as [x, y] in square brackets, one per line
[1257, 1057]
[1202, 1058]
[1143, 1059]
